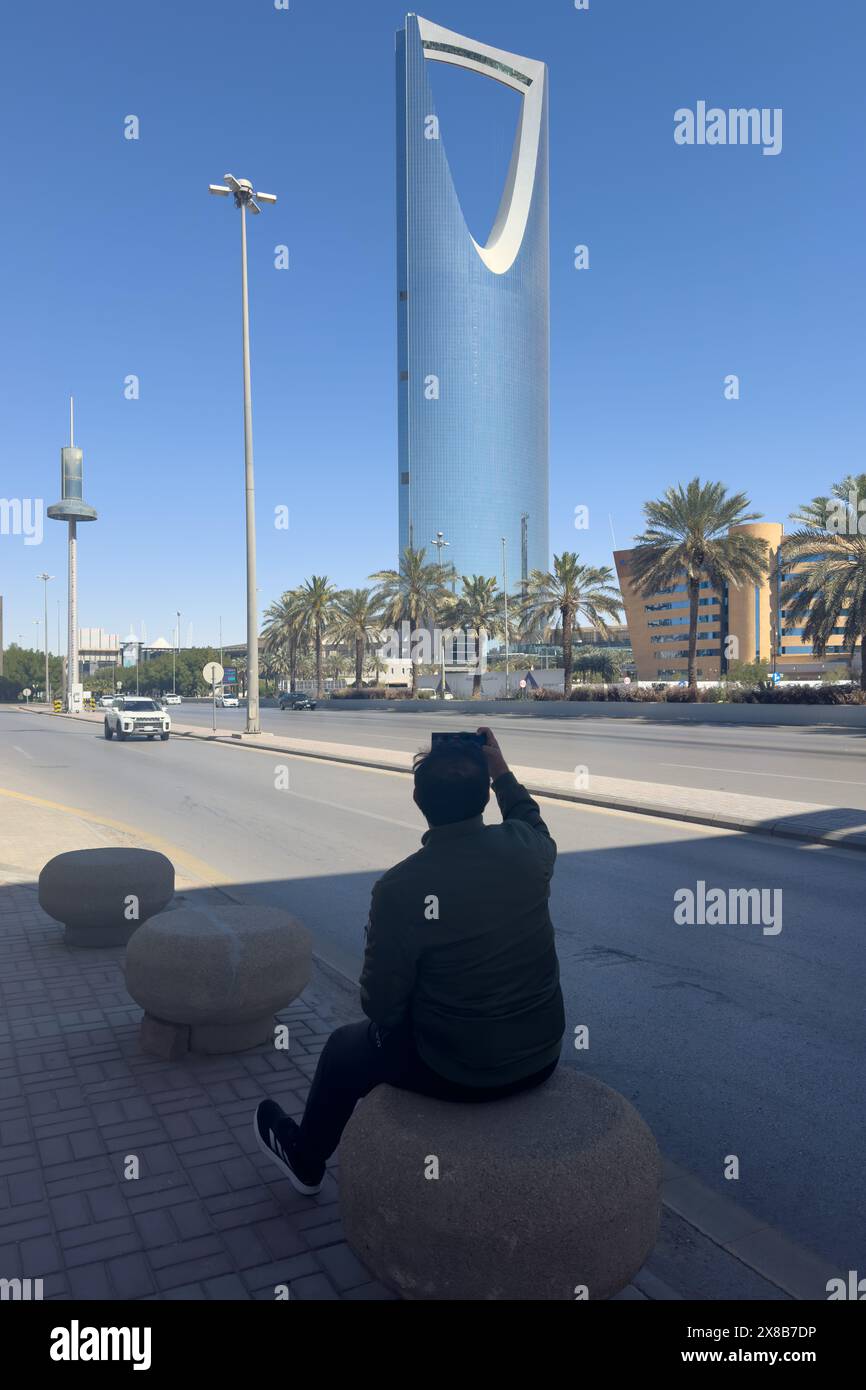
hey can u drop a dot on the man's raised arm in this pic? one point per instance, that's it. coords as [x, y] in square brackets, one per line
[514, 800]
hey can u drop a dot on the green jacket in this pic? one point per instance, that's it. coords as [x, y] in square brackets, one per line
[460, 940]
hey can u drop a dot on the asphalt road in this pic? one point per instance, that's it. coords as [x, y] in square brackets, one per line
[729, 1041]
[826, 766]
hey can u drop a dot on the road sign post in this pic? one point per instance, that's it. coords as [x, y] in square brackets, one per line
[213, 674]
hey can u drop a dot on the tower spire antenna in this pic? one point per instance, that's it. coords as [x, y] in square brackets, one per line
[72, 508]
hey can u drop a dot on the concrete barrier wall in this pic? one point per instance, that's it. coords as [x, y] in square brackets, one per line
[796, 716]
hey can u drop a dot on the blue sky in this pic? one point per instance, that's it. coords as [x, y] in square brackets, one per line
[704, 262]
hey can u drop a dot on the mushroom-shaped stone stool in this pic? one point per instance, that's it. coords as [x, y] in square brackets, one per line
[211, 979]
[551, 1194]
[102, 896]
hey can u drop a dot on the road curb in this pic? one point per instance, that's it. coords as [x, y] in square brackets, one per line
[796, 1272]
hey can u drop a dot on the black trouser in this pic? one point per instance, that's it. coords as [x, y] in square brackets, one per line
[357, 1059]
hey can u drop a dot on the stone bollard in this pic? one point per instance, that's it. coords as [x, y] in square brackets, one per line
[552, 1194]
[102, 896]
[211, 979]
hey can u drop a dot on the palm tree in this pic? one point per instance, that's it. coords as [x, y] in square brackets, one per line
[316, 603]
[818, 514]
[283, 635]
[569, 593]
[478, 609]
[417, 593]
[600, 664]
[337, 666]
[688, 534]
[830, 590]
[357, 620]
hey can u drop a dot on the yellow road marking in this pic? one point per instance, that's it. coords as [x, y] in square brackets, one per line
[179, 857]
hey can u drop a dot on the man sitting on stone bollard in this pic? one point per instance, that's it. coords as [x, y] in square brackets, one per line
[460, 981]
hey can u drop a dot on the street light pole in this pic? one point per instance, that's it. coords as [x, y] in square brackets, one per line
[245, 198]
[174, 655]
[505, 591]
[45, 578]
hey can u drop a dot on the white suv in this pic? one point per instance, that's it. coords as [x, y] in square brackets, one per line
[135, 715]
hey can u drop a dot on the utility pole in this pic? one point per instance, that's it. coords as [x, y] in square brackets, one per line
[46, 578]
[244, 198]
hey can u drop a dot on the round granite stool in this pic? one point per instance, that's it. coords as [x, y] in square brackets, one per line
[551, 1194]
[216, 976]
[102, 896]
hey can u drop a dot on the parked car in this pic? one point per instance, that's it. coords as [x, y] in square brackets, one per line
[172, 699]
[294, 699]
[136, 715]
[106, 701]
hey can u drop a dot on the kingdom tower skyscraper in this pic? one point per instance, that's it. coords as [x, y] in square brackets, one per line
[473, 324]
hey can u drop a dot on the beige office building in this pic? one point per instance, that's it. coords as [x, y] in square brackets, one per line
[659, 624]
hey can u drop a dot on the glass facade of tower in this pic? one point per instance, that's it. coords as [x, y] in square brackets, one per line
[473, 343]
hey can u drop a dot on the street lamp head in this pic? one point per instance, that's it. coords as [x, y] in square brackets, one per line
[244, 194]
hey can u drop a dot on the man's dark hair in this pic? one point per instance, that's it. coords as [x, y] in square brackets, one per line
[452, 783]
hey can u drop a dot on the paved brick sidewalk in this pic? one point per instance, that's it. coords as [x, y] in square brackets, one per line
[209, 1217]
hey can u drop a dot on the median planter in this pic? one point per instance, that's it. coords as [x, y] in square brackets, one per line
[102, 896]
[211, 980]
[539, 1197]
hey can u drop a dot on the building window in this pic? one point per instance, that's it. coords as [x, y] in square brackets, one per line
[404, 479]
[482, 58]
[404, 294]
[404, 376]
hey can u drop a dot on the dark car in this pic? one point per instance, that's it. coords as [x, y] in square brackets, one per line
[294, 699]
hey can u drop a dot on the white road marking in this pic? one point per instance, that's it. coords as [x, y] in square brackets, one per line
[23, 752]
[357, 810]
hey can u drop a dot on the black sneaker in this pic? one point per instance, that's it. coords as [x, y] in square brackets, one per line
[277, 1135]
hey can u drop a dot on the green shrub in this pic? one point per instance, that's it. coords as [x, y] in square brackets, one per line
[800, 695]
[370, 693]
[9, 689]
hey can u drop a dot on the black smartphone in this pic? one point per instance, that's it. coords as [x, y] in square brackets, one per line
[480, 740]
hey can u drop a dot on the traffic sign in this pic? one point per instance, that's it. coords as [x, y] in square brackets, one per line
[213, 673]
[523, 685]
[776, 677]
[27, 692]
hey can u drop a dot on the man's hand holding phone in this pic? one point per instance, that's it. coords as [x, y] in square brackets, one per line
[496, 763]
